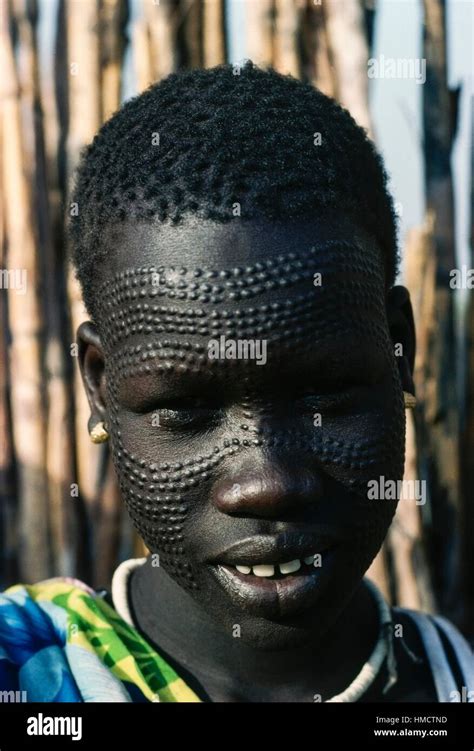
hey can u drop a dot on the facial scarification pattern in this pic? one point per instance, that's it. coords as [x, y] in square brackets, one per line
[264, 319]
[130, 299]
[240, 283]
[160, 494]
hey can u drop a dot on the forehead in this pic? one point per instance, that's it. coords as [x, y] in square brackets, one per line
[165, 291]
[203, 243]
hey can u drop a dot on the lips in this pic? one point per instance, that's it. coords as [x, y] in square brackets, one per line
[275, 577]
[273, 549]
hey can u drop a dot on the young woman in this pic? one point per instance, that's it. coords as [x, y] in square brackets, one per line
[236, 247]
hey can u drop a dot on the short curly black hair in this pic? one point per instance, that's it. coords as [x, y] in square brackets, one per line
[201, 141]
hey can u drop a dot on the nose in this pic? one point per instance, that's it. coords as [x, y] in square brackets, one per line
[270, 492]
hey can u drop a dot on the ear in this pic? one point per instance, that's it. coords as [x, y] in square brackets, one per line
[92, 366]
[402, 332]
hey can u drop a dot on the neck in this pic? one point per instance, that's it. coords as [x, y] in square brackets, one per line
[221, 668]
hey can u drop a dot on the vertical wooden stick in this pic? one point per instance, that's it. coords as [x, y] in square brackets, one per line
[317, 65]
[8, 490]
[259, 18]
[214, 33]
[287, 38]
[59, 443]
[348, 44]
[441, 441]
[84, 119]
[113, 17]
[26, 325]
[162, 23]
[190, 34]
[467, 428]
[141, 51]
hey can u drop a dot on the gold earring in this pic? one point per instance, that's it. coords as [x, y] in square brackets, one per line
[409, 399]
[99, 433]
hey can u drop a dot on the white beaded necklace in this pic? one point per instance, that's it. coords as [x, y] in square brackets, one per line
[382, 649]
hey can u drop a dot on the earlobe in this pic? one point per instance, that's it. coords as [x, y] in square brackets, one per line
[402, 330]
[92, 366]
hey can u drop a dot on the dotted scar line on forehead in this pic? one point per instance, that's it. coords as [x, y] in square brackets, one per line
[135, 318]
[239, 283]
[168, 355]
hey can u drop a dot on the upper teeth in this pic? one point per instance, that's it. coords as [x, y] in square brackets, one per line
[268, 569]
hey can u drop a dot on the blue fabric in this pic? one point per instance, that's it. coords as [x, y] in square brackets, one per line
[32, 642]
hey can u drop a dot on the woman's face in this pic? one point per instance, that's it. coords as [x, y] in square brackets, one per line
[251, 392]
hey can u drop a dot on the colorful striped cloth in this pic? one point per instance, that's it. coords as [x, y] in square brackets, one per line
[61, 642]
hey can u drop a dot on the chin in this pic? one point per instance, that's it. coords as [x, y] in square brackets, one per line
[269, 634]
[271, 614]
[277, 637]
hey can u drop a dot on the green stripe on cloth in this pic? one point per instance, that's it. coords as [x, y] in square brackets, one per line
[92, 624]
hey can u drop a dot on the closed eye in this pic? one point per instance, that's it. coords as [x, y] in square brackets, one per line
[184, 413]
[334, 402]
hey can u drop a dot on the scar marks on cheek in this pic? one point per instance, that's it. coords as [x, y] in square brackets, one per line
[185, 474]
[160, 494]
